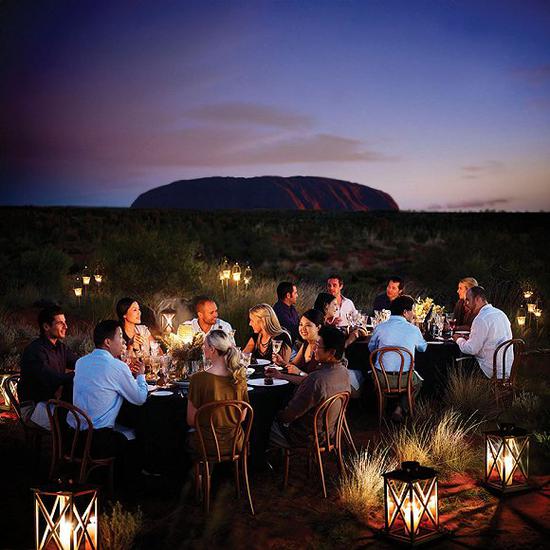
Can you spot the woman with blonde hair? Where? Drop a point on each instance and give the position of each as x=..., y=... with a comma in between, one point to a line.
x=463, y=316
x=267, y=329
x=224, y=380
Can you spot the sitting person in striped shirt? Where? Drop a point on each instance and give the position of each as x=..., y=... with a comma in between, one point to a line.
x=398, y=331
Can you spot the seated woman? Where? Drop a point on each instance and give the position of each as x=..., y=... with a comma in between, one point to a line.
x=304, y=362
x=224, y=380
x=463, y=316
x=137, y=336
x=266, y=328
x=328, y=305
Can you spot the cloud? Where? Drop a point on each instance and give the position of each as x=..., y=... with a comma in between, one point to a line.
x=476, y=204
x=249, y=113
x=474, y=171
x=535, y=75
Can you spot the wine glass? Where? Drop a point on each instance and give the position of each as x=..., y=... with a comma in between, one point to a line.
x=276, y=348
x=246, y=358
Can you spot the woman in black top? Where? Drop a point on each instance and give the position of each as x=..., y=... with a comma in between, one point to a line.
x=266, y=329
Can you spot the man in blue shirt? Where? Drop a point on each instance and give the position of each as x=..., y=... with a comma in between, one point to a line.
x=398, y=331
x=285, y=309
x=101, y=384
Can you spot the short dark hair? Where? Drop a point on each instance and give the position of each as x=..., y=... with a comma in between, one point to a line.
x=284, y=288
x=315, y=316
x=199, y=301
x=397, y=279
x=401, y=304
x=47, y=314
x=322, y=301
x=478, y=292
x=105, y=329
x=336, y=276
x=333, y=339
x=122, y=307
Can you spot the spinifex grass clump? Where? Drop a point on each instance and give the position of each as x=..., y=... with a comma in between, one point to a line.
x=119, y=528
x=441, y=442
x=361, y=484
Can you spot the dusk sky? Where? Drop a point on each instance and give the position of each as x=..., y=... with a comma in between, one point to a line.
x=443, y=104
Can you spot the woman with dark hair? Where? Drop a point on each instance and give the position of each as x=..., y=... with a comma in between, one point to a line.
x=304, y=362
x=137, y=336
x=328, y=305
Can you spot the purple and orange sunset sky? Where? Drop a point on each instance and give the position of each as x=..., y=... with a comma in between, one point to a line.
x=444, y=104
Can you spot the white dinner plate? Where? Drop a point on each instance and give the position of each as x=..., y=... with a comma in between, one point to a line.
x=262, y=362
x=276, y=367
x=461, y=332
x=436, y=342
x=151, y=387
x=260, y=382
x=162, y=393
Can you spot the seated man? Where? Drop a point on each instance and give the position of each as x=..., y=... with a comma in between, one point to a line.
x=335, y=284
x=44, y=367
x=398, y=331
x=294, y=424
x=285, y=308
x=394, y=289
x=206, y=320
x=490, y=328
x=101, y=384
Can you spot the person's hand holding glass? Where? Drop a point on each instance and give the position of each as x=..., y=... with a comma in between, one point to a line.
x=276, y=348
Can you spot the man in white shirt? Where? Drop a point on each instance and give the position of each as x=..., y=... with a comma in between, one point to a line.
x=102, y=383
x=335, y=284
x=207, y=318
x=489, y=329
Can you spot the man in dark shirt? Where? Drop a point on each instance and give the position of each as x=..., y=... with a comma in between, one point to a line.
x=43, y=367
x=285, y=309
x=394, y=289
x=294, y=424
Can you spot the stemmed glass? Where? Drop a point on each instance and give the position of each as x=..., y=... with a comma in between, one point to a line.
x=275, y=348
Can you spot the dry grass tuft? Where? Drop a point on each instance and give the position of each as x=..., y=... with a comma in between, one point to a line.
x=361, y=485
x=119, y=528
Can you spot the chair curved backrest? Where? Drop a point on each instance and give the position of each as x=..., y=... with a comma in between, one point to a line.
x=332, y=431
x=10, y=389
x=517, y=345
x=403, y=382
x=245, y=414
x=84, y=429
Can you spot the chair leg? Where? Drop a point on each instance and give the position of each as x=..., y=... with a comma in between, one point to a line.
x=197, y=481
x=286, y=467
x=237, y=478
x=381, y=403
x=111, y=480
x=206, y=488
x=322, y=473
x=246, y=482
x=347, y=435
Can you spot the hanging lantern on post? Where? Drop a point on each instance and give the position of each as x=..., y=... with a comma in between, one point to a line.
x=98, y=274
x=236, y=273
x=247, y=276
x=77, y=288
x=86, y=278
x=521, y=316
x=411, y=508
x=527, y=293
x=507, y=459
x=65, y=518
x=226, y=270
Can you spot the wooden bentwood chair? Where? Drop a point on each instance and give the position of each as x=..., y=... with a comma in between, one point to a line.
x=33, y=432
x=211, y=455
x=404, y=379
x=505, y=386
x=72, y=448
x=325, y=439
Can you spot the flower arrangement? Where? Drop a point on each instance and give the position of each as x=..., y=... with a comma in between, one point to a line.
x=422, y=307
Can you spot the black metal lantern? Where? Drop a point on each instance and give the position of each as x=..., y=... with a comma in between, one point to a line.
x=65, y=517
x=411, y=507
x=507, y=459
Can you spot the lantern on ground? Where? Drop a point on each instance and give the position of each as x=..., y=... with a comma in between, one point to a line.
x=247, y=276
x=65, y=518
x=236, y=273
x=521, y=316
x=411, y=506
x=507, y=459
x=168, y=315
x=186, y=333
